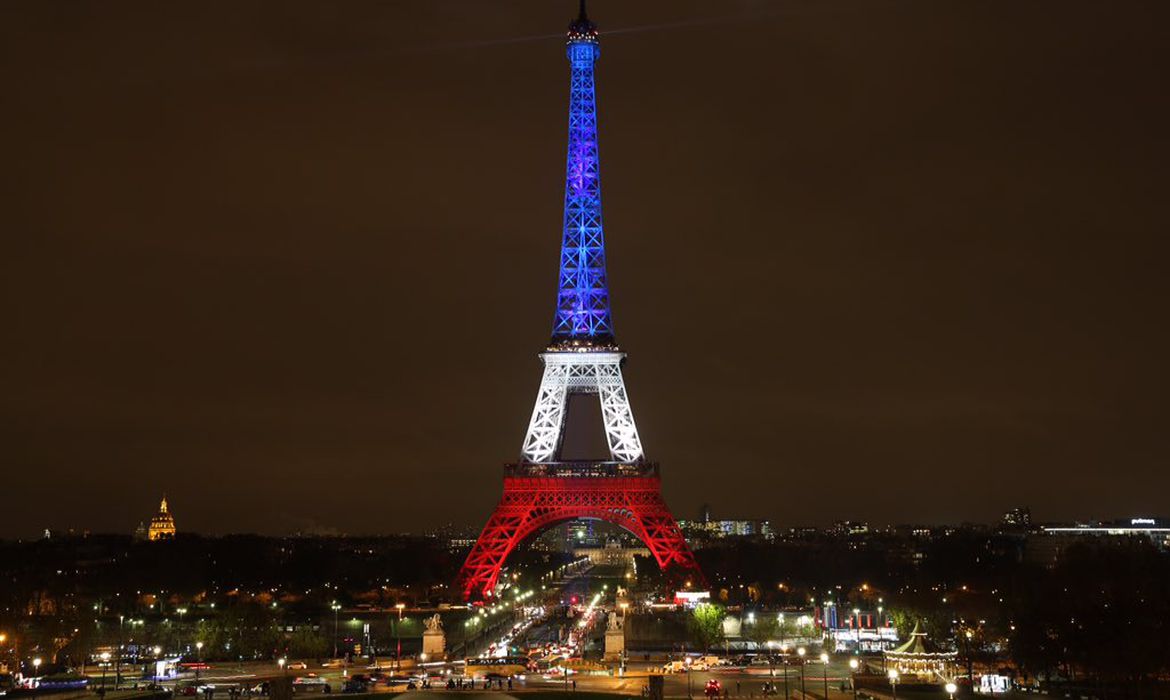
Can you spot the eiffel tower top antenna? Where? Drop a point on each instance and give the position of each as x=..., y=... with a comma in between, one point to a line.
x=583, y=18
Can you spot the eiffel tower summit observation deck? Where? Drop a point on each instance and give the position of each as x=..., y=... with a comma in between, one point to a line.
x=542, y=490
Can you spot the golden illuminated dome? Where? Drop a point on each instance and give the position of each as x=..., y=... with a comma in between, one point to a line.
x=162, y=525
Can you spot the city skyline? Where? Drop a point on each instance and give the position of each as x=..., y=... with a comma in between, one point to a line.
x=140, y=522
x=254, y=263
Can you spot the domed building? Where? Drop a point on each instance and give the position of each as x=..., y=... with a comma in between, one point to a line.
x=162, y=525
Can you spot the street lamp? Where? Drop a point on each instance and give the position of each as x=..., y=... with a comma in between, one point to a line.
x=105, y=657
x=398, y=638
x=853, y=665
x=118, y=658
x=199, y=650
x=182, y=612
x=825, y=670
x=282, y=662
x=952, y=689
x=800, y=651
x=892, y=674
x=36, y=666
x=784, y=658
x=970, y=664
x=335, y=607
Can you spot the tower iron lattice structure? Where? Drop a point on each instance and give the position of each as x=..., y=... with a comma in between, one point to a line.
x=542, y=490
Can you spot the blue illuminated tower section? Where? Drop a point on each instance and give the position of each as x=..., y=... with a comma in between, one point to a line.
x=583, y=316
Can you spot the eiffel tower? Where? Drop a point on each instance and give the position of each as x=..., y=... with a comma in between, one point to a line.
x=541, y=490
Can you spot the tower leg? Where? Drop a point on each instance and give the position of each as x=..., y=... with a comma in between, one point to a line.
x=546, y=427
x=620, y=429
x=665, y=540
x=502, y=533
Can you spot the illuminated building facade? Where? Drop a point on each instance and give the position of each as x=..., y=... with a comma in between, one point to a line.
x=723, y=529
x=1017, y=518
x=1048, y=546
x=162, y=525
x=542, y=490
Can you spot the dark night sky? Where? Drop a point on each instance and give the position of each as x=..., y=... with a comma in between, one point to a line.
x=291, y=262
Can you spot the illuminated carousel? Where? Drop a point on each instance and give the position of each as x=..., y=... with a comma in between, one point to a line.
x=914, y=661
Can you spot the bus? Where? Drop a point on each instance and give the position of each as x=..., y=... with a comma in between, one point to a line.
x=496, y=667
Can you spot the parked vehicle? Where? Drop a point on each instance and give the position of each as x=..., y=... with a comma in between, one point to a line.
x=310, y=684
x=356, y=685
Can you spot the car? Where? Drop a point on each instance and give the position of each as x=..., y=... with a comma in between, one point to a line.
x=356, y=685
x=712, y=689
x=298, y=665
x=310, y=683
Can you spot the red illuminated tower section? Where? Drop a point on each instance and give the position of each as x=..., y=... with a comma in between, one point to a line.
x=542, y=490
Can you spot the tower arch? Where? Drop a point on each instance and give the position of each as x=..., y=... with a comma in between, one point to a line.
x=531, y=504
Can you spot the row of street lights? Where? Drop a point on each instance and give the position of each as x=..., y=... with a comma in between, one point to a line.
x=854, y=666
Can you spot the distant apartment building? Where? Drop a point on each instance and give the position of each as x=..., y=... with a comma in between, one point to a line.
x=1017, y=519
x=843, y=528
x=700, y=532
x=1048, y=545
